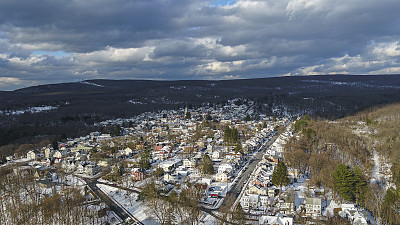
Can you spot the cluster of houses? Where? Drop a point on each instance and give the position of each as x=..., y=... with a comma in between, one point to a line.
x=274, y=204
x=279, y=205
x=72, y=156
x=176, y=144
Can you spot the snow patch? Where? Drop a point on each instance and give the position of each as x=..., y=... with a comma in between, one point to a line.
x=29, y=110
x=93, y=84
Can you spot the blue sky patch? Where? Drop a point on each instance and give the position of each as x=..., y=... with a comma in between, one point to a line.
x=223, y=2
x=52, y=53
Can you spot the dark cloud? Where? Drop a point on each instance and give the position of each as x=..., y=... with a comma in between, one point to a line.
x=188, y=39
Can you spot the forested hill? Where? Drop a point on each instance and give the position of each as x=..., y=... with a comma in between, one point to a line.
x=71, y=109
x=333, y=96
x=356, y=157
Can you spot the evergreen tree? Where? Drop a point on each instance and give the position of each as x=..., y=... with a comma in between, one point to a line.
x=54, y=144
x=360, y=185
x=188, y=115
x=350, y=183
x=344, y=181
x=231, y=135
x=207, y=165
x=280, y=175
x=238, y=148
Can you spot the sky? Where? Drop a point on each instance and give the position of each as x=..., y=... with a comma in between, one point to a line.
x=52, y=41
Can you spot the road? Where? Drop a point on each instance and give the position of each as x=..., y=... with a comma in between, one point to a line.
x=237, y=187
x=113, y=206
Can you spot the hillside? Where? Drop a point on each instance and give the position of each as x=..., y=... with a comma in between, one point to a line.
x=366, y=144
x=71, y=109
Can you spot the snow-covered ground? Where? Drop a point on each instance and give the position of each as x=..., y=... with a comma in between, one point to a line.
x=136, y=102
x=376, y=175
x=128, y=201
x=29, y=110
x=93, y=84
x=207, y=219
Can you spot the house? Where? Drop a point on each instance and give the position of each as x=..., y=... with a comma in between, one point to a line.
x=260, y=190
x=222, y=177
x=48, y=152
x=286, y=205
x=125, y=152
x=43, y=173
x=128, y=151
x=105, y=162
x=91, y=169
x=189, y=163
x=254, y=202
x=313, y=207
x=137, y=174
x=33, y=155
x=69, y=164
x=353, y=214
x=210, y=148
x=275, y=220
x=58, y=154
x=275, y=158
x=88, y=168
x=170, y=165
x=261, y=181
x=272, y=192
x=169, y=178
x=216, y=155
x=225, y=168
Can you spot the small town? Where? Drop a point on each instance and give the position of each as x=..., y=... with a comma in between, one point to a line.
x=199, y=112
x=229, y=163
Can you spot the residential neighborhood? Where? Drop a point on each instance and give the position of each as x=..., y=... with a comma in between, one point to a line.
x=222, y=150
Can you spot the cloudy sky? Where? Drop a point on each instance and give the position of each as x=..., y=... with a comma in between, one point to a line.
x=51, y=41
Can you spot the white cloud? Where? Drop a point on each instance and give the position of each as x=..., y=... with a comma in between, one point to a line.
x=377, y=58
x=111, y=54
x=193, y=40
x=10, y=83
x=386, y=49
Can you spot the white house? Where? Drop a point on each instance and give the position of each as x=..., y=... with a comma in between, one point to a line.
x=189, y=163
x=254, y=201
x=128, y=151
x=313, y=207
x=57, y=154
x=48, y=153
x=221, y=177
x=33, y=155
x=275, y=220
x=286, y=205
x=216, y=155
x=170, y=165
x=225, y=168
